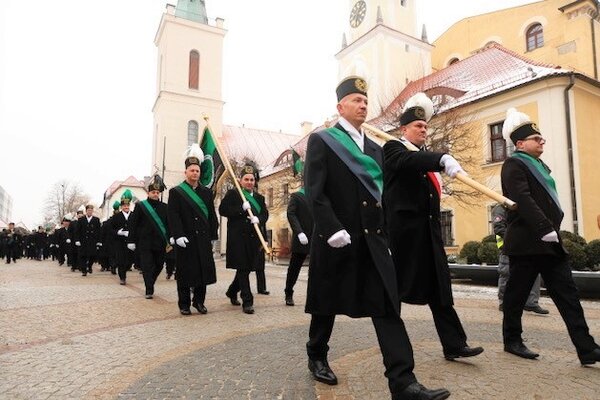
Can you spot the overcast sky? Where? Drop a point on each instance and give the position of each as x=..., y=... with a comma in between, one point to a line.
x=77, y=81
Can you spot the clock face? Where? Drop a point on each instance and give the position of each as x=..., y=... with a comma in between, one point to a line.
x=358, y=13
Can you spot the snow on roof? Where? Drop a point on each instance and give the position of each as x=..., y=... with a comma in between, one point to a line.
x=491, y=71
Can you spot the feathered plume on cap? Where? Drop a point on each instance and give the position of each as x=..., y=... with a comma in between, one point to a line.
x=517, y=126
x=418, y=108
x=156, y=184
x=126, y=197
x=81, y=209
x=116, y=205
x=194, y=155
x=68, y=217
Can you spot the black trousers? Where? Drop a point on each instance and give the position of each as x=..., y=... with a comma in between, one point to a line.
x=261, y=279
x=293, y=271
x=152, y=264
x=241, y=283
x=393, y=342
x=85, y=263
x=561, y=288
x=170, y=261
x=184, y=296
x=11, y=254
x=448, y=326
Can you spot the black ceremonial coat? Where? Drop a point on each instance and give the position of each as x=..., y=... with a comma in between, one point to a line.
x=195, y=264
x=144, y=232
x=356, y=279
x=88, y=234
x=412, y=207
x=535, y=216
x=300, y=218
x=243, y=245
x=123, y=256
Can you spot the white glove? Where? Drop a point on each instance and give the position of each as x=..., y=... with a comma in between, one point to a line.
x=550, y=237
x=339, y=239
x=171, y=241
x=246, y=205
x=51, y=246
x=68, y=240
x=131, y=246
x=451, y=166
x=254, y=219
x=78, y=243
x=302, y=238
x=99, y=244
x=181, y=242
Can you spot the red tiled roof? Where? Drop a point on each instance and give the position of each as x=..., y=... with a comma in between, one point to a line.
x=488, y=72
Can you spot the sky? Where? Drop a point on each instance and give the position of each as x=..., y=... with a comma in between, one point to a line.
x=78, y=81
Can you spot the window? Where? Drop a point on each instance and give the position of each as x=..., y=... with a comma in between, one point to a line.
x=489, y=218
x=192, y=132
x=446, y=222
x=194, y=72
x=497, y=142
x=403, y=3
x=285, y=198
x=535, y=37
x=453, y=61
x=270, y=197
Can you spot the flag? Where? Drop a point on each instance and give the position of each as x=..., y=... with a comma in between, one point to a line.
x=212, y=166
x=297, y=163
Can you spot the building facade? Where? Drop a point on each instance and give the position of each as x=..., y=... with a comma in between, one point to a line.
x=6, y=204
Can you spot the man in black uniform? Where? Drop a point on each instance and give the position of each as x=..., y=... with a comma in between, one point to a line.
x=351, y=271
x=193, y=225
x=72, y=249
x=532, y=242
x=60, y=240
x=120, y=232
x=11, y=243
x=149, y=234
x=87, y=239
x=412, y=193
x=243, y=244
x=301, y=222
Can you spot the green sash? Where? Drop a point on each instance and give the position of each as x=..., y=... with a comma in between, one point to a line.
x=252, y=201
x=302, y=190
x=367, y=162
x=154, y=216
x=541, y=172
x=186, y=188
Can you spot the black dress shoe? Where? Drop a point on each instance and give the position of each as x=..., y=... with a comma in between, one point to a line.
x=322, y=372
x=148, y=296
x=84, y=274
x=248, y=309
x=519, y=349
x=233, y=299
x=536, y=309
x=200, y=307
x=590, y=358
x=265, y=292
x=289, y=300
x=122, y=282
x=185, y=311
x=416, y=391
x=463, y=352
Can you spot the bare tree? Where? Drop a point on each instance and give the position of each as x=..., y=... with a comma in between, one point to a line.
x=64, y=197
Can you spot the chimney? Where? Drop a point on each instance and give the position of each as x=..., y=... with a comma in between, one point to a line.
x=306, y=127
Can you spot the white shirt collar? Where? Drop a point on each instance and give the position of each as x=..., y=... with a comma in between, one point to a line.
x=358, y=137
x=126, y=215
x=89, y=218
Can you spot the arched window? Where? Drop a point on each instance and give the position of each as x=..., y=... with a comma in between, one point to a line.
x=535, y=37
x=192, y=132
x=194, y=73
x=453, y=61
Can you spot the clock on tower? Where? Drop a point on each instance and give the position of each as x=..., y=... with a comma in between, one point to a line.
x=358, y=13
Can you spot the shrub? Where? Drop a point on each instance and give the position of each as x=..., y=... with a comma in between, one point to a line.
x=488, y=253
x=592, y=250
x=577, y=258
x=469, y=252
x=566, y=235
x=489, y=239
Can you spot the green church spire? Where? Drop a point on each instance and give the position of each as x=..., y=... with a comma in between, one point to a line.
x=193, y=10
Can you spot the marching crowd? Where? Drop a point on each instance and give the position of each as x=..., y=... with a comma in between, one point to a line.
x=368, y=216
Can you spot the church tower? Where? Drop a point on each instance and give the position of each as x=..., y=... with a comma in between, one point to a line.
x=384, y=46
x=188, y=84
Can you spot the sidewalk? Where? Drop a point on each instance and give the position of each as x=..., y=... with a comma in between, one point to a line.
x=64, y=336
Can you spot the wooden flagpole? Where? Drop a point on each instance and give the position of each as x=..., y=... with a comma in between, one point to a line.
x=505, y=201
x=229, y=169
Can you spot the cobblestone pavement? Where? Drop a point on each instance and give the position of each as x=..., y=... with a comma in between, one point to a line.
x=64, y=336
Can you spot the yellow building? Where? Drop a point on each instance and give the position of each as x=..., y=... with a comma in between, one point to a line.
x=558, y=32
x=476, y=92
